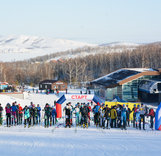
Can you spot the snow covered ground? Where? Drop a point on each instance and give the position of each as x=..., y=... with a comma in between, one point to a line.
x=40, y=141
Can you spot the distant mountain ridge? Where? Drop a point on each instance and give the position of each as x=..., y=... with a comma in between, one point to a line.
x=15, y=48
x=19, y=48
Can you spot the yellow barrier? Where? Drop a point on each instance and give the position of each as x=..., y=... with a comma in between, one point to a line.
x=130, y=105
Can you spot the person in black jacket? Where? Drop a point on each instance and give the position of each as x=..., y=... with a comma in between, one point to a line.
x=107, y=116
x=84, y=114
x=47, y=115
x=68, y=111
x=128, y=111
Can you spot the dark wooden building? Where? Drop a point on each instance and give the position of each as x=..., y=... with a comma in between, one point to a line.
x=52, y=85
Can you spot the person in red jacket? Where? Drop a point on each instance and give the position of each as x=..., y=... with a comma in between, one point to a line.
x=20, y=111
x=152, y=115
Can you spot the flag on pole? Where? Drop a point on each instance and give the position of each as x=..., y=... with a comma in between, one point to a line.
x=158, y=118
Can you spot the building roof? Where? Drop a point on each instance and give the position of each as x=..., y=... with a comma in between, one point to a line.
x=124, y=75
x=48, y=81
x=4, y=83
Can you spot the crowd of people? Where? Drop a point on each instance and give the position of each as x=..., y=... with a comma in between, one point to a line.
x=29, y=115
x=117, y=116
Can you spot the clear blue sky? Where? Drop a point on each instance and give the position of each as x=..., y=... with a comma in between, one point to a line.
x=93, y=21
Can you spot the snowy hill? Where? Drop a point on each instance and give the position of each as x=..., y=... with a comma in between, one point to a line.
x=15, y=48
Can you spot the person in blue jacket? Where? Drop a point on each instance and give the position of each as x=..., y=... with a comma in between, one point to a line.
x=53, y=113
x=123, y=117
x=14, y=117
x=137, y=112
x=96, y=114
x=38, y=114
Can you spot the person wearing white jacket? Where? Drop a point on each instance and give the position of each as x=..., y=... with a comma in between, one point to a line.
x=142, y=116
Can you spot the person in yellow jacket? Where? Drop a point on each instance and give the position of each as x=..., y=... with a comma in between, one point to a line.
x=113, y=116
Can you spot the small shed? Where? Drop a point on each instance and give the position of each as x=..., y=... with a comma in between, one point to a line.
x=53, y=85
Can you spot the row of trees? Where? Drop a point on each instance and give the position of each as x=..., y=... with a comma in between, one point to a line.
x=81, y=69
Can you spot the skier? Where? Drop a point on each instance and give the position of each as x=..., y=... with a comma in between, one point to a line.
x=134, y=115
x=113, y=116
x=32, y=113
x=38, y=114
x=84, y=114
x=123, y=117
x=101, y=116
x=1, y=117
x=80, y=116
x=68, y=110
x=107, y=116
x=8, y=114
x=96, y=114
x=77, y=112
x=118, y=110
x=128, y=112
x=27, y=116
x=152, y=115
x=89, y=113
x=20, y=114
x=137, y=112
x=53, y=112
x=35, y=115
x=47, y=115
x=14, y=110
x=142, y=116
